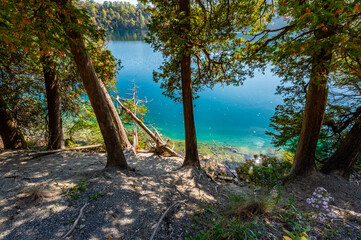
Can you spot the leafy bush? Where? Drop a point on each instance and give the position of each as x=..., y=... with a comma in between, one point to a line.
x=267, y=174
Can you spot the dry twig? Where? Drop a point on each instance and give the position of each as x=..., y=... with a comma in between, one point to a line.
x=76, y=221
x=161, y=218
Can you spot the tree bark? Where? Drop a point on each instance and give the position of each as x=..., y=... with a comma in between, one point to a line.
x=52, y=85
x=9, y=130
x=347, y=153
x=304, y=162
x=115, y=155
x=191, y=150
x=315, y=107
x=118, y=123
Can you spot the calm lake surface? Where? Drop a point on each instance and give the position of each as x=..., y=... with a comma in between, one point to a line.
x=236, y=116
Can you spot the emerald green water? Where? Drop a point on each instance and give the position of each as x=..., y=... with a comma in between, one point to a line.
x=236, y=116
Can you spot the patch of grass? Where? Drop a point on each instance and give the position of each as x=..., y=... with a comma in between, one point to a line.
x=250, y=204
x=238, y=222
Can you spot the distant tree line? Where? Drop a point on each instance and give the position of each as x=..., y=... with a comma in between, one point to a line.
x=117, y=15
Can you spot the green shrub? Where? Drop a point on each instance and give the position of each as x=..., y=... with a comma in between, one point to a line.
x=267, y=174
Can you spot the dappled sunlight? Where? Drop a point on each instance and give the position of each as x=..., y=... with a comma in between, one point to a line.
x=120, y=203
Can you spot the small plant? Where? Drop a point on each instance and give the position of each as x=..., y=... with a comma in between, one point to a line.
x=38, y=193
x=96, y=195
x=320, y=203
x=71, y=220
x=296, y=223
x=73, y=193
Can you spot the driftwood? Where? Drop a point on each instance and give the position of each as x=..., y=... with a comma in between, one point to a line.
x=44, y=153
x=76, y=221
x=160, y=144
x=116, y=119
x=161, y=218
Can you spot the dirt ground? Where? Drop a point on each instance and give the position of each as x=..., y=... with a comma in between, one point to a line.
x=121, y=204
x=35, y=201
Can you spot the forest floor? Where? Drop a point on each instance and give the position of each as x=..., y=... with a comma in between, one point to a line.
x=41, y=197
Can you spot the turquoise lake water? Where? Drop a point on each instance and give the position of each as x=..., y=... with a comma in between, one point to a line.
x=235, y=116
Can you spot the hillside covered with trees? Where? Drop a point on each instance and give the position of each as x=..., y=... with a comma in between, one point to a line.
x=117, y=15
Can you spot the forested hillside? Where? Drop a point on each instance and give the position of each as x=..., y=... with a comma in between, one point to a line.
x=117, y=15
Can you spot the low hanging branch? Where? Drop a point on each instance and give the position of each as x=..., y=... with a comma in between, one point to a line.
x=160, y=144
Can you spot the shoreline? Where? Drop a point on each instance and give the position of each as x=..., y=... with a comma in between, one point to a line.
x=222, y=152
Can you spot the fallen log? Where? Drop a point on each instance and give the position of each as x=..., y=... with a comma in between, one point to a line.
x=44, y=153
x=160, y=144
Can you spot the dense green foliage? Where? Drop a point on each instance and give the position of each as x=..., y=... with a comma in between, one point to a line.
x=210, y=41
x=117, y=15
x=309, y=28
x=24, y=41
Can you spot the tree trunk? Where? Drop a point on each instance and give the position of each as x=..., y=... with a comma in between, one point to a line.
x=9, y=130
x=347, y=153
x=316, y=100
x=115, y=156
x=52, y=85
x=191, y=151
x=118, y=123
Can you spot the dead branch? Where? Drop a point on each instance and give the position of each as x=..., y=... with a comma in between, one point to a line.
x=161, y=218
x=158, y=140
x=211, y=178
x=76, y=221
x=225, y=178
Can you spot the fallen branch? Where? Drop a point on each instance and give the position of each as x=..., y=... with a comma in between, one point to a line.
x=76, y=221
x=161, y=218
x=38, y=154
x=225, y=178
x=159, y=142
x=207, y=174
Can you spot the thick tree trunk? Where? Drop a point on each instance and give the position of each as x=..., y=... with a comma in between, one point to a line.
x=191, y=157
x=347, y=153
x=316, y=100
x=115, y=158
x=52, y=85
x=118, y=123
x=9, y=130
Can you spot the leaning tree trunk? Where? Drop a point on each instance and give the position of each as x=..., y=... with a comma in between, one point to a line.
x=116, y=119
x=9, y=130
x=347, y=153
x=115, y=157
x=191, y=156
x=52, y=85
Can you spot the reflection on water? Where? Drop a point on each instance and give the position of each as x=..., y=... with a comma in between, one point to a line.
x=126, y=35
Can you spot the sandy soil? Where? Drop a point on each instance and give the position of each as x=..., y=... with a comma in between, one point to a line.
x=128, y=205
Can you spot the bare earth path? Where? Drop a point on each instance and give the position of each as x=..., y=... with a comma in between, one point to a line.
x=121, y=204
